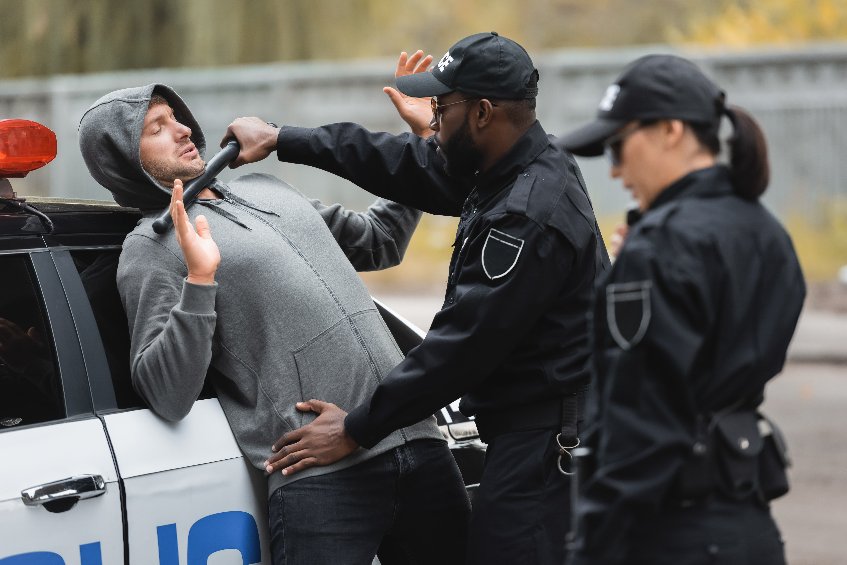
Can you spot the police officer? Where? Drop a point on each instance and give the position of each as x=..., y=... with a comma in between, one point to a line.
x=692, y=320
x=511, y=337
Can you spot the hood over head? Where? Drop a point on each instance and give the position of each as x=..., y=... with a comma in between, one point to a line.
x=110, y=142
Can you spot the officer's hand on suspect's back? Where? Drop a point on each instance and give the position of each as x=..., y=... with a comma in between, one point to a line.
x=199, y=249
x=417, y=112
x=256, y=137
x=321, y=442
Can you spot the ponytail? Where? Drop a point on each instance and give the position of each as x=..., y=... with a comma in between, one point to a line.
x=748, y=163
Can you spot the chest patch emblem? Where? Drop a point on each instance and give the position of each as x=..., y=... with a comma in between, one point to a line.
x=500, y=253
x=628, y=312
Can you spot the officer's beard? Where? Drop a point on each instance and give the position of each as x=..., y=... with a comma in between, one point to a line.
x=461, y=155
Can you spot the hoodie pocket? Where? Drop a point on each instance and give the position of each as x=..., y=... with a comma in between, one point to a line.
x=335, y=367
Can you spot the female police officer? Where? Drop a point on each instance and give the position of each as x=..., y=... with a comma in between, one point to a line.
x=693, y=319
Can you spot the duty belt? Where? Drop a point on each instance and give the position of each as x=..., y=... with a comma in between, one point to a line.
x=561, y=413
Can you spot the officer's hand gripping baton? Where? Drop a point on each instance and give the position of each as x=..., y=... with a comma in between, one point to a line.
x=215, y=165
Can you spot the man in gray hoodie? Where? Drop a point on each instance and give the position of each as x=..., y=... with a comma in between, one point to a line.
x=281, y=315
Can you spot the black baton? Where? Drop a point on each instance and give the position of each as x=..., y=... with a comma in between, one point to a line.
x=215, y=165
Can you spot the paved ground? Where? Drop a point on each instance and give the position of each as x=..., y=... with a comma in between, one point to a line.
x=809, y=402
x=821, y=337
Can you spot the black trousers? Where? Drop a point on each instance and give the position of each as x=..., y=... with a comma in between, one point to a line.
x=715, y=532
x=521, y=512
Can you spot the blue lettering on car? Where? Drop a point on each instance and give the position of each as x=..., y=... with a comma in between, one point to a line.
x=210, y=534
x=89, y=554
x=34, y=558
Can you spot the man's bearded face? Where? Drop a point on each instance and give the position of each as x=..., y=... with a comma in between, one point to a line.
x=460, y=153
x=167, y=152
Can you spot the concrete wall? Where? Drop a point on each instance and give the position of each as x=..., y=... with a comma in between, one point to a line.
x=799, y=95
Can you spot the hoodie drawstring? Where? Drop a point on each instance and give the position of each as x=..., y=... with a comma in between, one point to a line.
x=229, y=196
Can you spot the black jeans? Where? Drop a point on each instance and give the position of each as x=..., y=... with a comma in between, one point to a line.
x=407, y=505
x=521, y=511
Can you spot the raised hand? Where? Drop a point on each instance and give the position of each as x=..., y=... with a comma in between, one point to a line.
x=322, y=442
x=199, y=249
x=416, y=112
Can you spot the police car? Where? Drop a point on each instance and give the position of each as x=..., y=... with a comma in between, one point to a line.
x=88, y=474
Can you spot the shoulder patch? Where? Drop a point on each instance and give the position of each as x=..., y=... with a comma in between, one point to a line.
x=500, y=253
x=628, y=312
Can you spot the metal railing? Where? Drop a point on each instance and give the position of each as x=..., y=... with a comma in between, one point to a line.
x=799, y=95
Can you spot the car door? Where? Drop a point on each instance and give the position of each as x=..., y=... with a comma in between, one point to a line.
x=190, y=497
x=189, y=492
x=60, y=500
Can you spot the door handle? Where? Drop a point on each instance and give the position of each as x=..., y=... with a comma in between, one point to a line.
x=79, y=487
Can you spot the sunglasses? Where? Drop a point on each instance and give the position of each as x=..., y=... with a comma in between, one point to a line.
x=437, y=108
x=614, y=144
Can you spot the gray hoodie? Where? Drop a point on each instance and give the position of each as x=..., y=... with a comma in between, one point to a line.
x=288, y=318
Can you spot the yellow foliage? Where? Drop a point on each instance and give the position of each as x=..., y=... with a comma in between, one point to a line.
x=821, y=251
x=767, y=21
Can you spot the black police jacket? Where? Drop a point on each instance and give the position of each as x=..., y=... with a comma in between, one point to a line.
x=513, y=328
x=695, y=316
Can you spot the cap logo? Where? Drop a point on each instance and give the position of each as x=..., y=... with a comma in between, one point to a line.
x=609, y=98
x=445, y=60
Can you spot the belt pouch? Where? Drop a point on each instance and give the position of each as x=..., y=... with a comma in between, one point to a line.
x=773, y=461
x=738, y=445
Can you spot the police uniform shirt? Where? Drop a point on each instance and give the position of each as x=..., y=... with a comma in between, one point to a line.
x=513, y=328
x=695, y=316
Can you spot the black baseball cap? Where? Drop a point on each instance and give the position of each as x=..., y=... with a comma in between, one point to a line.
x=484, y=64
x=654, y=87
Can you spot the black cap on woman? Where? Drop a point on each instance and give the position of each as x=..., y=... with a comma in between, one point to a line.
x=667, y=87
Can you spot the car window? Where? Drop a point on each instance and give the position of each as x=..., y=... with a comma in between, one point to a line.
x=30, y=389
x=98, y=271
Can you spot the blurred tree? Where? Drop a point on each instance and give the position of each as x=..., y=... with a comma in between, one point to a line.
x=750, y=22
x=43, y=37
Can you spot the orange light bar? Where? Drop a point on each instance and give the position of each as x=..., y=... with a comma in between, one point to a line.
x=24, y=147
